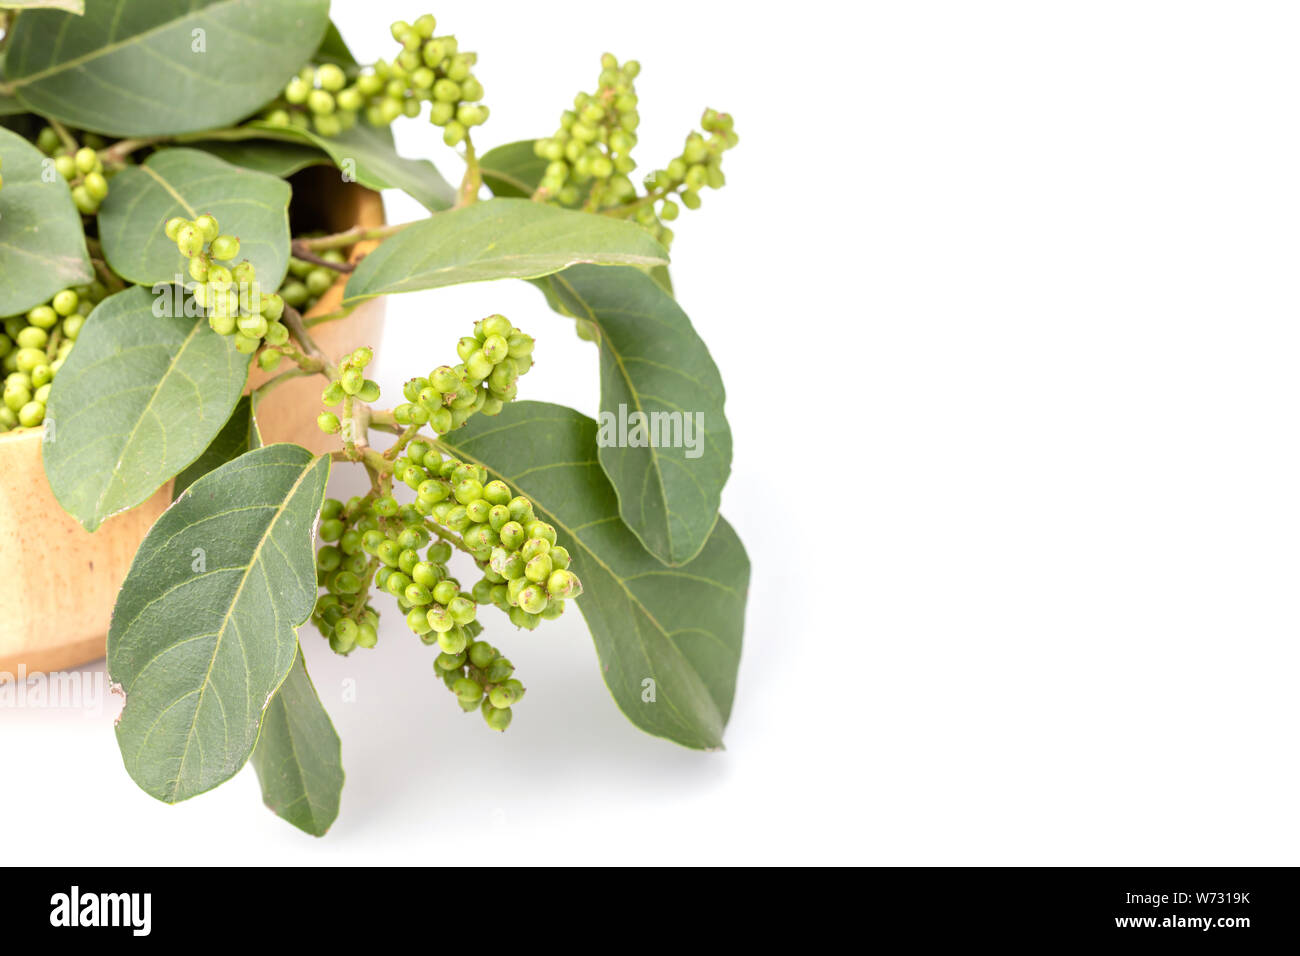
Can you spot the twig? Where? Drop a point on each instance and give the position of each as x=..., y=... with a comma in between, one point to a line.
x=300, y=251
x=350, y=237
x=293, y=320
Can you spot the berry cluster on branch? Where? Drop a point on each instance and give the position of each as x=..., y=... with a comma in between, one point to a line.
x=33, y=348
x=230, y=295
x=589, y=158
x=492, y=359
x=79, y=166
x=428, y=69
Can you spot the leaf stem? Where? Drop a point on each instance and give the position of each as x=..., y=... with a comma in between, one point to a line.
x=283, y=377
x=328, y=317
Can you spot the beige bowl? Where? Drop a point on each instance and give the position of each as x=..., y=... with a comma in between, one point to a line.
x=60, y=582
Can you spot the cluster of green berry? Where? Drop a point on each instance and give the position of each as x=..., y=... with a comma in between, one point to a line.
x=231, y=296
x=375, y=538
x=592, y=149
x=428, y=68
x=351, y=383
x=307, y=281
x=318, y=97
x=33, y=348
x=492, y=359
x=343, y=614
x=589, y=159
x=80, y=167
x=480, y=677
x=524, y=573
x=699, y=165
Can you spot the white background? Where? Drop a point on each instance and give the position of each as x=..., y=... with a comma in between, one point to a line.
x=1004, y=298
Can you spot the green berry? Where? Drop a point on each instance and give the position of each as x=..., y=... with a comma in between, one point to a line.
x=188, y=241
x=452, y=641
x=225, y=248
x=65, y=302
x=467, y=689
x=498, y=718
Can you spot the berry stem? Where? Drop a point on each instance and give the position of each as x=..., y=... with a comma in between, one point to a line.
x=473, y=178
x=68, y=140
x=107, y=275
x=622, y=212
x=450, y=537
x=402, y=439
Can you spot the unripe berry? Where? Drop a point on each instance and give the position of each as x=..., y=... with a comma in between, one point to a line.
x=466, y=689
x=453, y=641
x=188, y=241
x=225, y=248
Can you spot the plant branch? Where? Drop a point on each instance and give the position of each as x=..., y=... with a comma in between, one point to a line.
x=622, y=212
x=349, y=237
x=318, y=361
x=303, y=252
x=116, y=154
x=449, y=536
x=473, y=178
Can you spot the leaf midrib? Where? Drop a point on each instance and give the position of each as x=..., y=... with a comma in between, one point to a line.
x=636, y=398
x=111, y=47
x=225, y=619
x=121, y=455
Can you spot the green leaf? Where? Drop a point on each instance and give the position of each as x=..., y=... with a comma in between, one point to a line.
x=512, y=170
x=138, y=399
x=264, y=155
x=367, y=155
x=498, y=239
x=70, y=6
x=652, y=362
x=203, y=630
x=680, y=628
x=139, y=68
x=237, y=436
x=334, y=49
x=298, y=758
x=42, y=246
x=190, y=182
